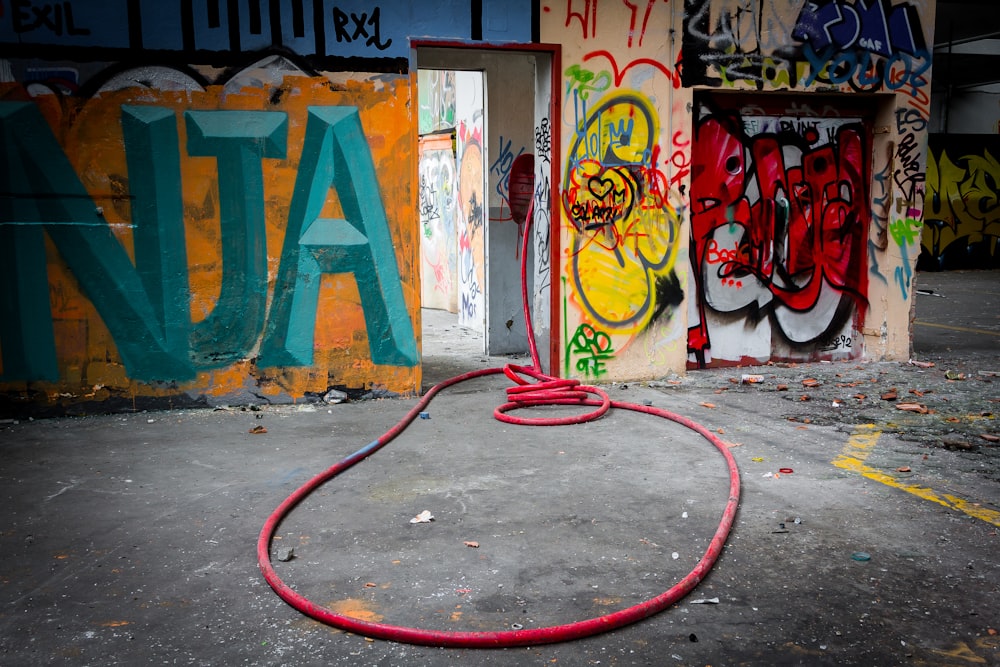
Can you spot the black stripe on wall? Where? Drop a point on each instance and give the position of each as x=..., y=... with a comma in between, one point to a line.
x=187, y=24
x=319, y=28
x=477, y=19
x=275, y=12
x=255, y=23
x=536, y=31
x=135, y=24
x=214, y=16
x=233, y=11
x=298, y=19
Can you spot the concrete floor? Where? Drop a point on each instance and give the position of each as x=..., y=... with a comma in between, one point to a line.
x=957, y=314
x=130, y=539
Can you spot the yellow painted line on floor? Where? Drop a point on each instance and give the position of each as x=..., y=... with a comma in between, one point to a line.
x=954, y=328
x=860, y=445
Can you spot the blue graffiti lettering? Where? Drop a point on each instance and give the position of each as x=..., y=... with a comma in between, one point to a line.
x=873, y=25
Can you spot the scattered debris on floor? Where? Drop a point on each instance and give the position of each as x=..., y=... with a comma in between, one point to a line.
x=913, y=407
x=423, y=517
x=334, y=396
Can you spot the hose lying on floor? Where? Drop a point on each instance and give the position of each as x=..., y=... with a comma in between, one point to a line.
x=538, y=389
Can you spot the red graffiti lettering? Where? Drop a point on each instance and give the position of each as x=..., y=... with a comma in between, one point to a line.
x=785, y=210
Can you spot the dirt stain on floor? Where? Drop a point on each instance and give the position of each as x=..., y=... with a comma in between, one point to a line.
x=361, y=610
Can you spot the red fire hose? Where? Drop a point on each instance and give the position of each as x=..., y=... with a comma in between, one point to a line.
x=538, y=389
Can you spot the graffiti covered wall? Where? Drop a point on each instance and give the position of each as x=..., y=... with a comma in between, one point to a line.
x=781, y=244
x=222, y=202
x=962, y=205
x=471, y=204
x=439, y=238
x=190, y=233
x=208, y=200
x=208, y=241
x=853, y=45
x=439, y=190
x=625, y=155
x=651, y=215
x=858, y=50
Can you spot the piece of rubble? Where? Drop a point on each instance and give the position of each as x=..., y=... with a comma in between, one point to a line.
x=334, y=396
x=660, y=384
x=955, y=443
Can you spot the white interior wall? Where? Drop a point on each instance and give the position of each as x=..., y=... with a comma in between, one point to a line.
x=511, y=114
x=541, y=287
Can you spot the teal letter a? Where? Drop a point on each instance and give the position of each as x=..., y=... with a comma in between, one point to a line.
x=335, y=153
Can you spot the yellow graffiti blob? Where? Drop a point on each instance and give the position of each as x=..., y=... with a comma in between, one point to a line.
x=961, y=201
x=624, y=233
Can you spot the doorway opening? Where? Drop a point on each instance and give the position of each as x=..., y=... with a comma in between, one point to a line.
x=484, y=144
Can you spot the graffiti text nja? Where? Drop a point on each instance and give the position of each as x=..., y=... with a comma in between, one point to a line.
x=145, y=305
